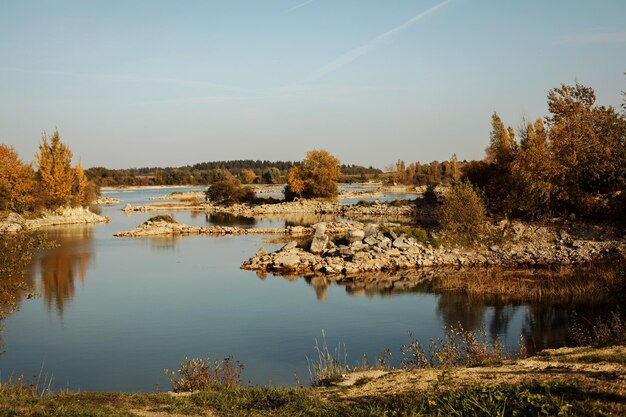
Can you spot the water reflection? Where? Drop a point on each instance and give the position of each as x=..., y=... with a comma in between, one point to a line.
x=227, y=219
x=61, y=266
x=542, y=321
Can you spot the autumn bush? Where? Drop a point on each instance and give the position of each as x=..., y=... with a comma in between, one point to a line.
x=316, y=177
x=462, y=214
x=230, y=191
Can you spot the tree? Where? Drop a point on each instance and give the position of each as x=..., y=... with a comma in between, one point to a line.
x=533, y=172
x=296, y=184
x=56, y=175
x=502, y=145
x=17, y=183
x=455, y=172
x=80, y=189
x=247, y=176
x=319, y=174
x=585, y=143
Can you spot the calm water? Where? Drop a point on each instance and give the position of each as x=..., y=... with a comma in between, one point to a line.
x=112, y=313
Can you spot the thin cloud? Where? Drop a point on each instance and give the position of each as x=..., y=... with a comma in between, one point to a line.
x=296, y=7
x=595, y=38
x=377, y=42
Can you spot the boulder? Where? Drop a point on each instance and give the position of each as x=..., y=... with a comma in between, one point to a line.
x=261, y=252
x=355, y=236
x=320, y=239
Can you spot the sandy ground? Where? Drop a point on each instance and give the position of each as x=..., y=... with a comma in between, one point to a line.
x=606, y=374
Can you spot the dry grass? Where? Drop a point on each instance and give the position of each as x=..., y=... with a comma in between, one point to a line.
x=201, y=374
x=593, y=282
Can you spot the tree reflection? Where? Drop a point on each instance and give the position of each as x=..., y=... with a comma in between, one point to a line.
x=538, y=304
x=60, y=266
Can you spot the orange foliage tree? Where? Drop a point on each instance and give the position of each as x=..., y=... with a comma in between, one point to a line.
x=17, y=183
x=54, y=161
x=317, y=177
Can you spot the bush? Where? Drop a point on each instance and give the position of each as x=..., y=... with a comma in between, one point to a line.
x=462, y=214
x=161, y=218
x=201, y=374
x=230, y=191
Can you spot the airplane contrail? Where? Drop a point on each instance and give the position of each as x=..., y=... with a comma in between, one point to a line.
x=358, y=52
x=296, y=7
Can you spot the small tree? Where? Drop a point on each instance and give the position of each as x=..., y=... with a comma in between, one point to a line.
x=54, y=161
x=462, y=214
x=17, y=183
x=317, y=177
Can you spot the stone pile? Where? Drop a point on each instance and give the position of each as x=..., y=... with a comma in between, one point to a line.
x=369, y=250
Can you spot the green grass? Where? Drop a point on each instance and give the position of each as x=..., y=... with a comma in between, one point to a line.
x=516, y=400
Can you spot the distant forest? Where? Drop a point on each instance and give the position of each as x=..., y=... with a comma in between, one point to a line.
x=249, y=171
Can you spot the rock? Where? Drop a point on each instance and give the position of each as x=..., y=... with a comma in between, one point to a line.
x=370, y=240
x=355, y=236
x=261, y=252
x=289, y=246
x=400, y=243
x=393, y=234
x=320, y=239
x=289, y=261
x=494, y=248
x=128, y=207
x=370, y=229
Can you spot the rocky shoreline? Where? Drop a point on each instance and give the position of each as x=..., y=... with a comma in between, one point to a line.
x=166, y=228
x=369, y=250
x=15, y=223
x=353, y=211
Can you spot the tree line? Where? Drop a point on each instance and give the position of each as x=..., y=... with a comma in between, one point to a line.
x=247, y=171
x=572, y=161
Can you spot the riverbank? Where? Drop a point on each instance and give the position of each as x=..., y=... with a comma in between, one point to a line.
x=579, y=382
x=14, y=223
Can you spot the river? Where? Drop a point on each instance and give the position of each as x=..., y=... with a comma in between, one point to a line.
x=112, y=313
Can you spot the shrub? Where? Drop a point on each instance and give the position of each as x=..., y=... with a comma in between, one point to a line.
x=230, y=191
x=201, y=374
x=462, y=214
x=161, y=218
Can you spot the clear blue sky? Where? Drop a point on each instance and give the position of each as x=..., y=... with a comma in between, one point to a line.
x=144, y=83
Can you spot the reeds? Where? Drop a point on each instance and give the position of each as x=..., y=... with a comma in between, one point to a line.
x=329, y=366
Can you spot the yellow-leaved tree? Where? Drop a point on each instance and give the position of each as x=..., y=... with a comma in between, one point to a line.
x=17, y=182
x=56, y=175
x=317, y=177
x=81, y=186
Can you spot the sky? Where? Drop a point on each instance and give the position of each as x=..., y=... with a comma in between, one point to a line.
x=170, y=83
